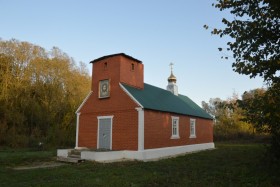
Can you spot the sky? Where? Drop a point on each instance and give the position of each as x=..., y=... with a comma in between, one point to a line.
x=157, y=32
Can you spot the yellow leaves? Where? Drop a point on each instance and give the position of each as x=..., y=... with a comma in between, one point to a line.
x=40, y=90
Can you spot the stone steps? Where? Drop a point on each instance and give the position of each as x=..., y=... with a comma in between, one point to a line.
x=73, y=157
x=69, y=159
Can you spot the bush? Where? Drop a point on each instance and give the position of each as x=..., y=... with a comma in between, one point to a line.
x=223, y=133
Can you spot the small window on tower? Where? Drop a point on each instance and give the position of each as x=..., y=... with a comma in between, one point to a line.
x=132, y=67
x=105, y=65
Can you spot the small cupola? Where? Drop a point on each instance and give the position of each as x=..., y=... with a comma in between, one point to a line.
x=172, y=78
x=172, y=87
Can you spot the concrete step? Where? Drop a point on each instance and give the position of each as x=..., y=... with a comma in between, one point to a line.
x=70, y=159
x=74, y=156
x=75, y=152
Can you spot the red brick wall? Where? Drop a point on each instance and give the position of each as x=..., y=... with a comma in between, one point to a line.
x=158, y=128
x=87, y=131
x=124, y=128
x=119, y=104
x=132, y=77
x=118, y=70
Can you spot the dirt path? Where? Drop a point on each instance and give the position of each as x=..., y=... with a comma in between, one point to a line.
x=40, y=165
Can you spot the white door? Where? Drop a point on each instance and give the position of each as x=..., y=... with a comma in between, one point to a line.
x=105, y=133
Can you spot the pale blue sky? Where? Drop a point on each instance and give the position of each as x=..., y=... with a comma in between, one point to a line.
x=156, y=32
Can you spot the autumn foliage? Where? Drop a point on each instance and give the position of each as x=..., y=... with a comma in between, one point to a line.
x=40, y=91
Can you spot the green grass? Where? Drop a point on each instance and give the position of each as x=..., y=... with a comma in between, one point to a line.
x=228, y=165
x=10, y=157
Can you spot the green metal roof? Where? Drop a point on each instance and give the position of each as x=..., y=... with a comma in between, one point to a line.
x=155, y=98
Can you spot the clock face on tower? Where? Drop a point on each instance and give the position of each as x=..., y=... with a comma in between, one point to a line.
x=104, y=88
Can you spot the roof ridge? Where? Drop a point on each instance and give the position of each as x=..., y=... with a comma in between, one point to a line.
x=167, y=91
x=158, y=87
x=116, y=54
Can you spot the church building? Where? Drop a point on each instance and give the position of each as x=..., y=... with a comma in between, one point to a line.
x=122, y=115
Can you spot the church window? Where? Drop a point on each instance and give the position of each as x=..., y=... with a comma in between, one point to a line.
x=175, y=127
x=192, y=128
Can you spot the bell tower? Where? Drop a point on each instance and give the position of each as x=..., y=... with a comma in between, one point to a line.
x=172, y=87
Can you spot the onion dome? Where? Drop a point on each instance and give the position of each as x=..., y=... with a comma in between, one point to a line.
x=172, y=78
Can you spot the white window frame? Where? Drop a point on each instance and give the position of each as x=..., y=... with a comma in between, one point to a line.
x=175, y=123
x=98, y=119
x=193, y=126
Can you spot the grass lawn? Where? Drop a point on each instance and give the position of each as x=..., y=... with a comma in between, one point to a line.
x=228, y=165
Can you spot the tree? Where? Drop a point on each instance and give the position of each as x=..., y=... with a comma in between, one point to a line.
x=229, y=123
x=255, y=33
x=40, y=92
x=261, y=107
x=252, y=105
x=213, y=107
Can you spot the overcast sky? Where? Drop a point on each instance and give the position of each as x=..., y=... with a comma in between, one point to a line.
x=156, y=32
